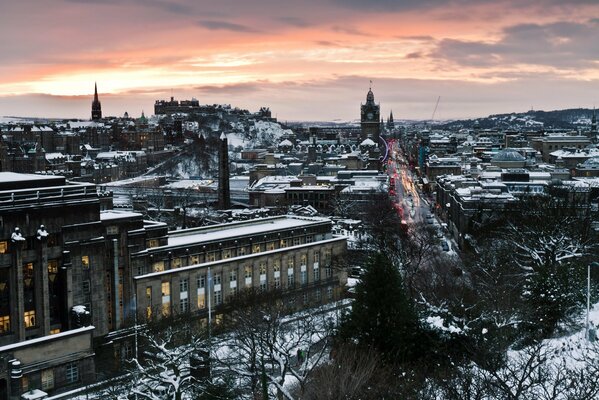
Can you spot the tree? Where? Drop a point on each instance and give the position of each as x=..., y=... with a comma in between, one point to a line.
x=382, y=315
x=264, y=344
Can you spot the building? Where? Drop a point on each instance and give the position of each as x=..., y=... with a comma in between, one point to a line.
x=291, y=254
x=96, y=106
x=51, y=249
x=370, y=118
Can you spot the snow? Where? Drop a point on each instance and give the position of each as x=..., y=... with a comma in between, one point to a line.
x=34, y=394
x=436, y=322
x=42, y=339
x=80, y=310
x=117, y=214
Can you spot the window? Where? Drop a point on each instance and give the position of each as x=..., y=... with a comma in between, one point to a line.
x=4, y=324
x=277, y=282
x=184, y=305
x=218, y=297
x=316, y=272
x=304, y=277
x=248, y=271
x=290, y=279
x=256, y=248
x=149, y=302
x=283, y=242
x=47, y=379
x=217, y=279
x=195, y=259
x=166, y=298
x=29, y=317
x=158, y=266
x=85, y=286
x=183, y=285
x=242, y=251
x=85, y=262
x=233, y=276
x=329, y=272
x=309, y=238
x=226, y=254
x=271, y=246
x=276, y=266
x=290, y=263
x=3, y=247
x=329, y=292
x=201, y=299
x=72, y=373
x=52, y=266
x=153, y=243
x=211, y=256
x=166, y=288
x=176, y=262
x=304, y=259
x=201, y=281
x=296, y=241
x=262, y=267
x=316, y=257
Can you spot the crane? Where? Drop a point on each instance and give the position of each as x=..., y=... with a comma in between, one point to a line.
x=435, y=110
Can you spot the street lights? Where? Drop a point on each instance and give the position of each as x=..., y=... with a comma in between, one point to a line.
x=593, y=264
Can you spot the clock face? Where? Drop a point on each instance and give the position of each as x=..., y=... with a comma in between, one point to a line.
x=369, y=115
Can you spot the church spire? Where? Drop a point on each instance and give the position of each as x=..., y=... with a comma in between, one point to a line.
x=96, y=105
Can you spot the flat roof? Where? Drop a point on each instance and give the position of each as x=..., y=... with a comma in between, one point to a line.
x=238, y=229
x=16, y=181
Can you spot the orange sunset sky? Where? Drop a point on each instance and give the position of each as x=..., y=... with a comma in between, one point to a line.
x=305, y=59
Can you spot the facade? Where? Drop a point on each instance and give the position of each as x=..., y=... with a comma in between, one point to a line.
x=291, y=254
x=51, y=249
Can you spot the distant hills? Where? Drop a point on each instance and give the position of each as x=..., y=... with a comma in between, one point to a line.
x=573, y=118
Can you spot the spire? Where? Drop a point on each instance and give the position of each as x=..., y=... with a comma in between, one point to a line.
x=96, y=105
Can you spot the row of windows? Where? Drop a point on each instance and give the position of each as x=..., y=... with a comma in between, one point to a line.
x=160, y=266
x=47, y=378
x=217, y=289
x=177, y=262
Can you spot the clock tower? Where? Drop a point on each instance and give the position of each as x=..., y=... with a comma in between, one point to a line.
x=370, y=118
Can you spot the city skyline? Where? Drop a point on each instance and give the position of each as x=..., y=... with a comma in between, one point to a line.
x=306, y=61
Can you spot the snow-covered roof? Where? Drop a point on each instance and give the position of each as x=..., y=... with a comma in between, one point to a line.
x=239, y=229
x=367, y=142
x=117, y=214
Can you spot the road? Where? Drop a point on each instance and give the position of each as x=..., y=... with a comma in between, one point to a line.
x=409, y=201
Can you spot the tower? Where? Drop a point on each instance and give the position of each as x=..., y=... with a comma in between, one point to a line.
x=96, y=105
x=390, y=122
x=224, y=195
x=370, y=116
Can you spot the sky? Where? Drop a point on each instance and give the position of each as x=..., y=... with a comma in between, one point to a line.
x=305, y=59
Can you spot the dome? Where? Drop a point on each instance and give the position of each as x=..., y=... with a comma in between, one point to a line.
x=592, y=162
x=367, y=142
x=286, y=143
x=508, y=155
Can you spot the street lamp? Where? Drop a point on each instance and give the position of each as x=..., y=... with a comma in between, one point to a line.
x=593, y=264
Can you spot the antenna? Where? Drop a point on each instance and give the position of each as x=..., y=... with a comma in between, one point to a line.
x=435, y=110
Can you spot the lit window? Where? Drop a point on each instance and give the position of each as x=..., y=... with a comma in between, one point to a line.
x=283, y=242
x=211, y=257
x=153, y=243
x=3, y=247
x=303, y=259
x=166, y=288
x=262, y=267
x=271, y=246
x=158, y=266
x=47, y=379
x=256, y=248
x=201, y=300
x=226, y=254
x=176, y=262
x=248, y=271
x=4, y=324
x=85, y=262
x=195, y=259
x=29, y=317
x=52, y=267
x=72, y=373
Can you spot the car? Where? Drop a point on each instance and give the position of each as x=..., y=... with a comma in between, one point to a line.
x=444, y=246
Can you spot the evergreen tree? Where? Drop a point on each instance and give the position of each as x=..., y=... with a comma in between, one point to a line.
x=382, y=315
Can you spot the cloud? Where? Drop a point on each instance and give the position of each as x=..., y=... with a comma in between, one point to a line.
x=566, y=45
x=294, y=21
x=215, y=25
x=350, y=31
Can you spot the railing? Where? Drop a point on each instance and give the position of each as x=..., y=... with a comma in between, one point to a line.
x=42, y=195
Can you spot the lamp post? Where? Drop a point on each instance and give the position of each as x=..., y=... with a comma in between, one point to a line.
x=593, y=264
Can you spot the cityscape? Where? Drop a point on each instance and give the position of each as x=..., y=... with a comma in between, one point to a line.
x=286, y=207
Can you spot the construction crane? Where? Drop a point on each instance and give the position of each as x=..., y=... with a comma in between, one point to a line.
x=435, y=110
